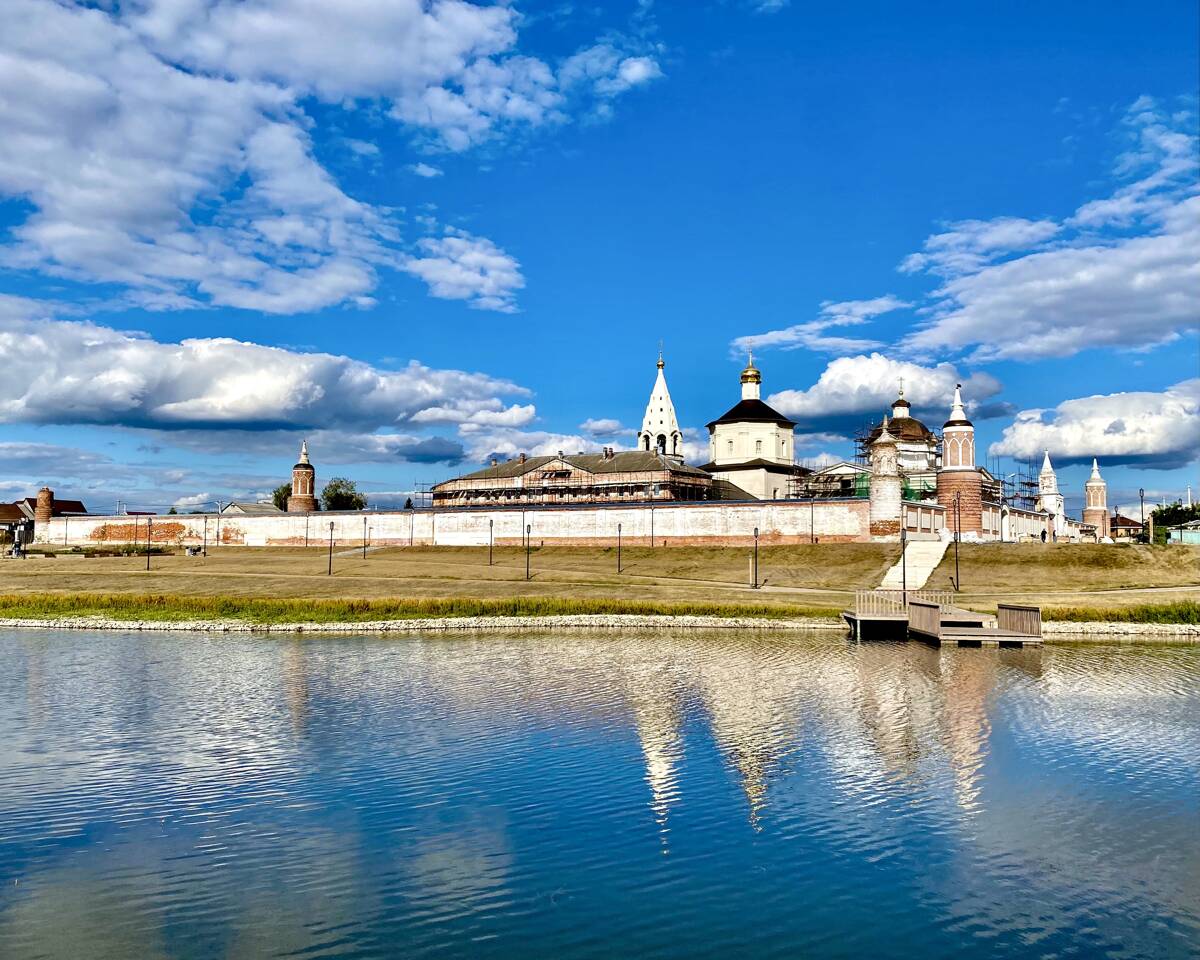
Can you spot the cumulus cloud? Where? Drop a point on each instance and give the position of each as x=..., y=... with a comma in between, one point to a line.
x=459, y=266
x=812, y=335
x=607, y=71
x=603, y=428
x=425, y=170
x=164, y=145
x=81, y=373
x=853, y=390
x=1159, y=430
x=1122, y=272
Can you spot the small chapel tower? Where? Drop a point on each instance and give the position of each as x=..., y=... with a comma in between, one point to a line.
x=1095, y=503
x=959, y=482
x=660, y=429
x=304, y=484
x=886, y=489
x=1050, y=501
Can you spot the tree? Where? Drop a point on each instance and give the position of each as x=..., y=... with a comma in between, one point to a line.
x=408, y=504
x=279, y=496
x=342, y=494
x=172, y=511
x=1172, y=515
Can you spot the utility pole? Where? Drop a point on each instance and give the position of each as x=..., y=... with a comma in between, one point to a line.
x=904, y=563
x=812, y=520
x=306, y=516
x=1142, y=498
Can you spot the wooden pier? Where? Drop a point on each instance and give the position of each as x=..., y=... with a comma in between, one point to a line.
x=930, y=616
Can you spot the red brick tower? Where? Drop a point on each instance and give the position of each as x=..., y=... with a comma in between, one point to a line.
x=304, y=484
x=959, y=477
x=42, y=512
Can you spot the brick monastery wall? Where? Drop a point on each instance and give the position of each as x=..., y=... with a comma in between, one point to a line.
x=781, y=521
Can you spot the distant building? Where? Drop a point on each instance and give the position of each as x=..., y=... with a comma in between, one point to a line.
x=607, y=477
x=248, y=509
x=1124, y=529
x=1095, y=502
x=752, y=445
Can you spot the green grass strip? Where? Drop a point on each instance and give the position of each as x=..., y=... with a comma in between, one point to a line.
x=49, y=606
x=1181, y=611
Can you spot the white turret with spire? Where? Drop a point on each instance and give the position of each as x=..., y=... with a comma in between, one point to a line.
x=1050, y=501
x=660, y=429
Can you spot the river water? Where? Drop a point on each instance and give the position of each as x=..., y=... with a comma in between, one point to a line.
x=591, y=795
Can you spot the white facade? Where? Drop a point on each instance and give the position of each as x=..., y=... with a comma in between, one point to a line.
x=753, y=446
x=1050, y=501
x=660, y=427
x=886, y=490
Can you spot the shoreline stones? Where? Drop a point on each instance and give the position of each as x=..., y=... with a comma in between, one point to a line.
x=1060, y=630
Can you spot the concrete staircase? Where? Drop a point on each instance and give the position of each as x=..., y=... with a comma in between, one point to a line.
x=921, y=558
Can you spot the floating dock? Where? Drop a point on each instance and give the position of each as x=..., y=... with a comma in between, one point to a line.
x=930, y=616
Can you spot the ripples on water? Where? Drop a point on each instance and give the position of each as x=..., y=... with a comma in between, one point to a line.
x=592, y=796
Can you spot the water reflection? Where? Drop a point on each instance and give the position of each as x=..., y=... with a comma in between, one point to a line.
x=512, y=796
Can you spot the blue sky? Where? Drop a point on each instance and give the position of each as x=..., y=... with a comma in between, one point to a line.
x=418, y=234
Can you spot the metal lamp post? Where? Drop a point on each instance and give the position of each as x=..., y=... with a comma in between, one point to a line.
x=812, y=520
x=204, y=550
x=306, y=516
x=491, y=538
x=331, y=548
x=528, y=545
x=957, y=537
x=364, y=538
x=149, y=523
x=904, y=563
x=618, y=548
x=1142, y=498
x=756, y=558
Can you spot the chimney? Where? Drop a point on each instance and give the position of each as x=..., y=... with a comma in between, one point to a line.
x=521, y=458
x=560, y=453
x=495, y=462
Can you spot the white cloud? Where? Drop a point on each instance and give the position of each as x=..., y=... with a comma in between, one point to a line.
x=970, y=244
x=1011, y=294
x=812, y=335
x=459, y=266
x=483, y=443
x=607, y=71
x=1139, y=427
x=604, y=428
x=163, y=144
x=854, y=390
x=425, y=170
x=68, y=372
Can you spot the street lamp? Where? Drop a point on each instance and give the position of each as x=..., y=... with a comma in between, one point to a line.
x=1142, y=498
x=331, y=548
x=904, y=563
x=812, y=520
x=364, y=537
x=306, y=516
x=957, y=537
x=528, y=544
x=756, y=558
x=618, y=548
x=205, y=548
x=149, y=522
x=491, y=538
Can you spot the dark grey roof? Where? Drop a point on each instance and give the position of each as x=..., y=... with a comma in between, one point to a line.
x=627, y=461
x=756, y=464
x=725, y=490
x=752, y=411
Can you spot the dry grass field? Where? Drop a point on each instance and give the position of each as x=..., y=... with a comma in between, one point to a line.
x=823, y=576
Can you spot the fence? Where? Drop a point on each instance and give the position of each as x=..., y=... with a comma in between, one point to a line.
x=1026, y=621
x=893, y=603
x=925, y=618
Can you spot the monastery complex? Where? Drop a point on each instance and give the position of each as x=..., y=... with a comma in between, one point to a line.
x=908, y=481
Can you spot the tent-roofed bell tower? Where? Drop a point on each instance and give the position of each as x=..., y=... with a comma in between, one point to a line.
x=660, y=429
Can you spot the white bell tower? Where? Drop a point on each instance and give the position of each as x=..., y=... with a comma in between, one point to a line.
x=660, y=431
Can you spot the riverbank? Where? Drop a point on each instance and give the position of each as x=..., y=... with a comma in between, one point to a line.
x=1052, y=631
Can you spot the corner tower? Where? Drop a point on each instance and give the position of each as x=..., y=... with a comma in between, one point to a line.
x=1050, y=501
x=886, y=490
x=959, y=483
x=1095, y=502
x=660, y=429
x=304, y=484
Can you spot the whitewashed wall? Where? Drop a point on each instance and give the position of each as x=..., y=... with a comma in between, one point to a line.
x=778, y=521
